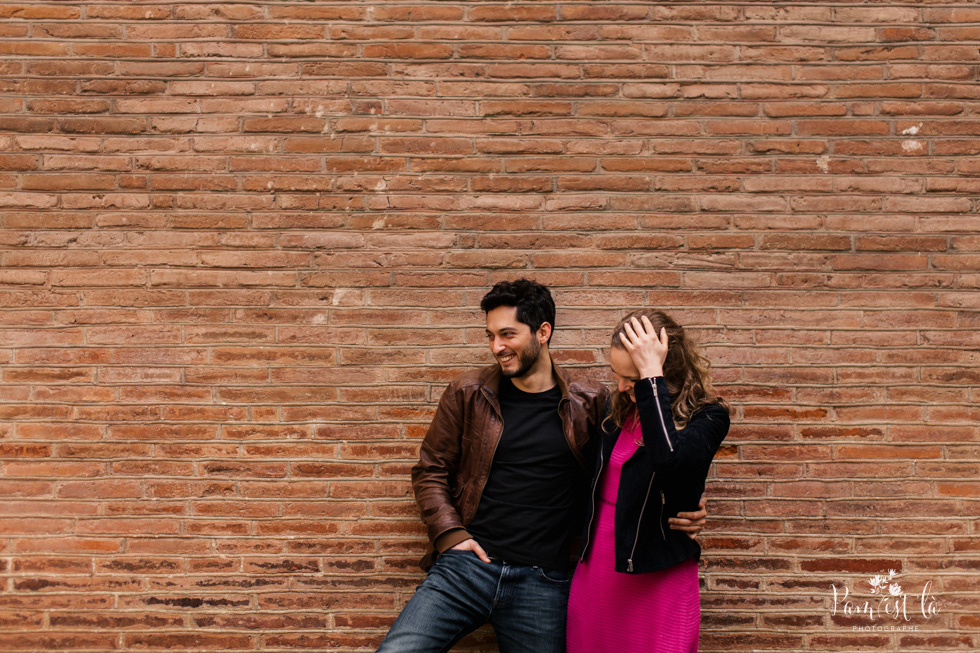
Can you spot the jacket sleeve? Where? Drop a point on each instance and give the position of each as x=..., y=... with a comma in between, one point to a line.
x=433, y=474
x=671, y=449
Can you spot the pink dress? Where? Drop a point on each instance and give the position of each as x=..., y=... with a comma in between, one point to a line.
x=656, y=612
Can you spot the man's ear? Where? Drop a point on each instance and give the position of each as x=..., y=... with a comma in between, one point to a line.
x=544, y=332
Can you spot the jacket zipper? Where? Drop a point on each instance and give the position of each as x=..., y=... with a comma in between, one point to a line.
x=660, y=412
x=663, y=425
x=595, y=483
x=663, y=502
x=629, y=562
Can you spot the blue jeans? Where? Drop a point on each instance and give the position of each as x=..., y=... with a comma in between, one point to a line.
x=525, y=605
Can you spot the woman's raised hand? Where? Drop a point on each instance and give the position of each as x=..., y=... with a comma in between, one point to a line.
x=646, y=347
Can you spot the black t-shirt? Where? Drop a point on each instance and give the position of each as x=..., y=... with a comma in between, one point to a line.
x=530, y=503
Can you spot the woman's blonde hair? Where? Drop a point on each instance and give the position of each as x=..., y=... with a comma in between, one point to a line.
x=686, y=372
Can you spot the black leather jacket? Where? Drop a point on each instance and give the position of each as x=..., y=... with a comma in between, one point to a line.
x=665, y=476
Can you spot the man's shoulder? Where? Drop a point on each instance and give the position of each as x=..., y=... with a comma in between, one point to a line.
x=579, y=382
x=474, y=378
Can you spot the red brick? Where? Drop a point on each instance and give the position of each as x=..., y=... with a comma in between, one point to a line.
x=177, y=640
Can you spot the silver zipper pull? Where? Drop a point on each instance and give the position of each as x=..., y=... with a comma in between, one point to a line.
x=629, y=565
x=663, y=502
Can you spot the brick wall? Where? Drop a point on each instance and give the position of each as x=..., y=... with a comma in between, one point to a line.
x=242, y=245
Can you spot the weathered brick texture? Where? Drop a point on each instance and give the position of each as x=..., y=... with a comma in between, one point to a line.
x=242, y=245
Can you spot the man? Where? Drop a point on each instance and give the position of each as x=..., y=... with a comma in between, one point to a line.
x=502, y=474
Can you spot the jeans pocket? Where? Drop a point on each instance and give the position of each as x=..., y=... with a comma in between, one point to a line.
x=553, y=576
x=451, y=553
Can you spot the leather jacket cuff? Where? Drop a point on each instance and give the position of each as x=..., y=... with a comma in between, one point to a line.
x=449, y=539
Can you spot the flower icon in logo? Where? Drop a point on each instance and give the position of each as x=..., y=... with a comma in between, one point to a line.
x=879, y=583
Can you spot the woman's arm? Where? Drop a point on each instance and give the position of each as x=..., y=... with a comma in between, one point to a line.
x=669, y=448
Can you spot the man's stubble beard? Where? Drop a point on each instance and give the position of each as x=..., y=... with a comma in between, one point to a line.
x=526, y=359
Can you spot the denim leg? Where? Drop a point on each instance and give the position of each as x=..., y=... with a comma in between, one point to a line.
x=453, y=600
x=531, y=611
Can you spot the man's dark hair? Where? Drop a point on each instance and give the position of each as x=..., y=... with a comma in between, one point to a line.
x=533, y=301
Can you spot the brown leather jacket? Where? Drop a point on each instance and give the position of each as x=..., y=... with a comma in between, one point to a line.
x=456, y=453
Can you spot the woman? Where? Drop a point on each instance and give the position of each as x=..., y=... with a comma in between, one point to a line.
x=636, y=584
